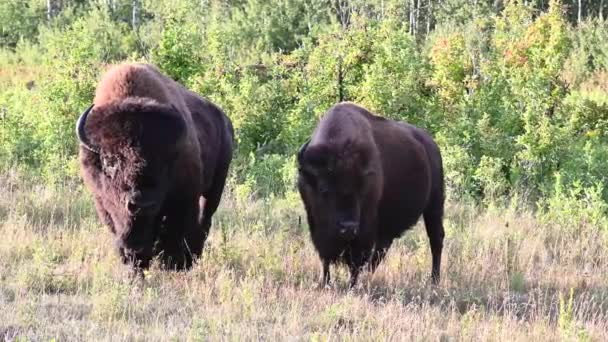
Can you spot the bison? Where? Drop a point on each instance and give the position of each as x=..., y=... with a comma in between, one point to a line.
x=364, y=180
x=155, y=157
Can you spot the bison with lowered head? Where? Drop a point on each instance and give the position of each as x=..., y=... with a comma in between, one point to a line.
x=364, y=181
x=155, y=156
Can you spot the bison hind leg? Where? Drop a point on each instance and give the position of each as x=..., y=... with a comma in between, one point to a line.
x=207, y=206
x=433, y=221
x=196, y=237
x=176, y=258
x=354, y=275
x=173, y=252
x=325, y=274
x=380, y=251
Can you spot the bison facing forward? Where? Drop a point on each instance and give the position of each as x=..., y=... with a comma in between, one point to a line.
x=155, y=156
x=365, y=180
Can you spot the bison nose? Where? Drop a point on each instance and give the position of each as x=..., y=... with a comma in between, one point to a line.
x=131, y=206
x=135, y=204
x=348, y=227
x=135, y=240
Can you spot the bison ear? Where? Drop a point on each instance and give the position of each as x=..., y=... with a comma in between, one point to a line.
x=301, y=152
x=304, y=170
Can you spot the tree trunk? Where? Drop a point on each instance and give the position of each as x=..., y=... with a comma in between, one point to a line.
x=602, y=10
x=342, y=9
x=49, y=9
x=580, y=11
x=135, y=15
x=412, y=17
x=340, y=81
x=429, y=15
x=417, y=15
x=497, y=5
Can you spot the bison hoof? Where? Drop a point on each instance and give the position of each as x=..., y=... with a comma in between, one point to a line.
x=324, y=286
x=136, y=275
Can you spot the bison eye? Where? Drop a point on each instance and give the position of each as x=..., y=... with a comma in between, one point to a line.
x=148, y=182
x=323, y=190
x=110, y=166
x=308, y=176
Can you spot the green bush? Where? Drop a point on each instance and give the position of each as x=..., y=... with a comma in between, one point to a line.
x=393, y=83
x=17, y=142
x=574, y=206
x=20, y=19
x=178, y=52
x=515, y=95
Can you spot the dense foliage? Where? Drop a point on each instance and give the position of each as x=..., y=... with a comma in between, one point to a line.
x=515, y=92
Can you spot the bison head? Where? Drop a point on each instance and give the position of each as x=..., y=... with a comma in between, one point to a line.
x=128, y=156
x=339, y=180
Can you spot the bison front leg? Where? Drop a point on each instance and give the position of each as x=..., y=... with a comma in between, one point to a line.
x=354, y=275
x=357, y=258
x=325, y=276
x=172, y=246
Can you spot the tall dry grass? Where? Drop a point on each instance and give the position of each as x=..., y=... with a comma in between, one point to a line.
x=506, y=276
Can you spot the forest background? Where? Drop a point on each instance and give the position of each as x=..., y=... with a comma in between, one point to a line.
x=514, y=92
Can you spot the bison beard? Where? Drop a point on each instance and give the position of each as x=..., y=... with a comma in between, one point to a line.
x=155, y=157
x=365, y=180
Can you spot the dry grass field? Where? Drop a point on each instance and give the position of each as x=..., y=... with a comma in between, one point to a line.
x=507, y=275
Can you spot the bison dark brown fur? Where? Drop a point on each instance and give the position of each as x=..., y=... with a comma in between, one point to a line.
x=364, y=180
x=155, y=157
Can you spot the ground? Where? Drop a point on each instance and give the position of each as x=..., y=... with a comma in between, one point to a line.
x=507, y=275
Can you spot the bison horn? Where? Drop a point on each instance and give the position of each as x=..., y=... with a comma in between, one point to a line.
x=81, y=133
x=301, y=151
